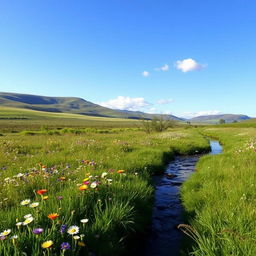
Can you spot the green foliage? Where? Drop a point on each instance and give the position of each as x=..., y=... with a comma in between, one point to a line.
x=220, y=196
x=59, y=162
x=222, y=121
x=157, y=124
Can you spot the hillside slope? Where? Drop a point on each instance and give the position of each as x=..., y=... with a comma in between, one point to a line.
x=67, y=105
x=229, y=118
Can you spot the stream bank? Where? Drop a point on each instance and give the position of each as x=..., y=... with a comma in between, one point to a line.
x=164, y=239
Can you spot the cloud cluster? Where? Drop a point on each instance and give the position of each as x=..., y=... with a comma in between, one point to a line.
x=201, y=113
x=187, y=65
x=135, y=104
x=145, y=73
x=126, y=103
x=163, y=68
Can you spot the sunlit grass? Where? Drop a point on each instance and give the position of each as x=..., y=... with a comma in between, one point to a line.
x=104, y=178
x=220, y=196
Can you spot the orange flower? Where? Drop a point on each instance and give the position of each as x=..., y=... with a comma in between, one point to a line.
x=41, y=191
x=53, y=216
x=62, y=178
x=120, y=171
x=83, y=187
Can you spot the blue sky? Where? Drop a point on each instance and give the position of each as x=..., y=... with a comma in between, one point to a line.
x=168, y=56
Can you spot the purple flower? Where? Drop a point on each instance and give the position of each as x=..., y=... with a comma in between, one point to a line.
x=2, y=237
x=59, y=197
x=65, y=246
x=63, y=229
x=38, y=231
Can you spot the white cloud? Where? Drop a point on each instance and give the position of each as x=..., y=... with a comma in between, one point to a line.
x=200, y=113
x=163, y=68
x=145, y=73
x=152, y=110
x=126, y=103
x=187, y=65
x=167, y=112
x=164, y=101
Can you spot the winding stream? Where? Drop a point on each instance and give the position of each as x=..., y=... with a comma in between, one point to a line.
x=164, y=238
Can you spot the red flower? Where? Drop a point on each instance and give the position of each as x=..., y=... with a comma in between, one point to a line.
x=41, y=191
x=53, y=216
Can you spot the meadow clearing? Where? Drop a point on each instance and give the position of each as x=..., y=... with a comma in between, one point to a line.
x=88, y=191
x=74, y=193
x=220, y=197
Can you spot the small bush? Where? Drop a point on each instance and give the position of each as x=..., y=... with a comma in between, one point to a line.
x=157, y=124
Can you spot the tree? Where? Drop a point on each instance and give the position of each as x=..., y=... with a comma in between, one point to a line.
x=157, y=124
x=222, y=121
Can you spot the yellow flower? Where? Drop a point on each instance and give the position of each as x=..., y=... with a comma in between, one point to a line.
x=83, y=187
x=47, y=244
x=45, y=197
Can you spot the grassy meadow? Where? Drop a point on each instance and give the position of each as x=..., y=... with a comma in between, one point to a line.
x=89, y=193
x=220, y=196
x=17, y=119
x=81, y=185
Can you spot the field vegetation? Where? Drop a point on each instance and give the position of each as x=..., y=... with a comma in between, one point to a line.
x=87, y=193
x=220, y=196
x=15, y=120
x=87, y=189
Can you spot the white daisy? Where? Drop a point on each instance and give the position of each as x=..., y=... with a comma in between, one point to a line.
x=28, y=221
x=25, y=202
x=28, y=216
x=84, y=221
x=5, y=232
x=34, y=205
x=73, y=230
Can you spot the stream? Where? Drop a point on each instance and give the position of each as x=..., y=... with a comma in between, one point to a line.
x=164, y=238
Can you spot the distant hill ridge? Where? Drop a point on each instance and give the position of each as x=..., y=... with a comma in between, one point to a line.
x=68, y=105
x=229, y=118
x=80, y=106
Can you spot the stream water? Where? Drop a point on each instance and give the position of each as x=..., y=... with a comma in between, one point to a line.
x=164, y=238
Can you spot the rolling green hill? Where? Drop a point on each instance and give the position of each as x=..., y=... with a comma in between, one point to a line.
x=229, y=118
x=67, y=105
x=17, y=119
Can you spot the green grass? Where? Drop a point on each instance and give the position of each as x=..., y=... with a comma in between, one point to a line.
x=243, y=124
x=14, y=119
x=220, y=197
x=120, y=205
